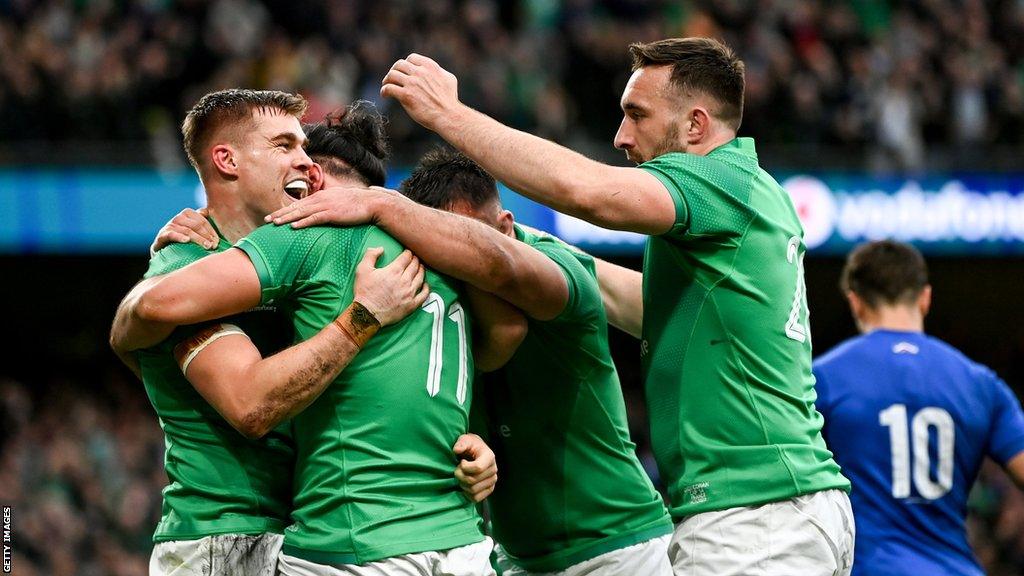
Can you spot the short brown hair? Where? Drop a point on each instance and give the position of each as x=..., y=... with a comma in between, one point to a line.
x=700, y=64
x=229, y=107
x=884, y=272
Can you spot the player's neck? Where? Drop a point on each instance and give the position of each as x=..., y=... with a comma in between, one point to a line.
x=233, y=221
x=896, y=318
x=715, y=140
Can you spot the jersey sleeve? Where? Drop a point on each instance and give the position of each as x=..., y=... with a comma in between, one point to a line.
x=584, y=292
x=665, y=168
x=1006, y=436
x=704, y=192
x=173, y=257
x=284, y=257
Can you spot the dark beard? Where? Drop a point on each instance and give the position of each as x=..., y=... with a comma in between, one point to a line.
x=670, y=143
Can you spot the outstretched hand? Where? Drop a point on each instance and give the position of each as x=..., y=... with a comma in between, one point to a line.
x=427, y=91
x=339, y=206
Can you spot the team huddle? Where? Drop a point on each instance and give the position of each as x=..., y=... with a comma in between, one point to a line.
x=361, y=381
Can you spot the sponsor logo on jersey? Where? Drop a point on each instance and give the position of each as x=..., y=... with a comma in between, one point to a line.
x=905, y=348
x=696, y=493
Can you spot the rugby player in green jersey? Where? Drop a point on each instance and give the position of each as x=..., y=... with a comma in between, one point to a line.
x=374, y=491
x=726, y=351
x=573, y=498
x=230, y=496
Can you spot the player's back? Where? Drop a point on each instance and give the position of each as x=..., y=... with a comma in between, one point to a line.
x=374, y=463
x=910, y=419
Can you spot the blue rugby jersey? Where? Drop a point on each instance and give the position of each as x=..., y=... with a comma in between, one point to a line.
x=910, y=419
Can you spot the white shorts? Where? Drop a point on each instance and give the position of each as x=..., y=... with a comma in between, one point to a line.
x=471, y=560
x=809, y=535
x=648, y=558
x=222, y=555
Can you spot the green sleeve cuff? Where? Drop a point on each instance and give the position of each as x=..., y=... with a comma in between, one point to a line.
x=259, y=262
x=682, y=219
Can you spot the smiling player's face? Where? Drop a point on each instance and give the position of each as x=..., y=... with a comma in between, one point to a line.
x=271, y=160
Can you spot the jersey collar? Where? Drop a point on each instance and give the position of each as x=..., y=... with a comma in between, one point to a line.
x=744, y=146
x=221, y=240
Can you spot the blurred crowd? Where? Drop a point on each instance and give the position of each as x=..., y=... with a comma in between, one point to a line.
x=890, y=79
x=82, y=468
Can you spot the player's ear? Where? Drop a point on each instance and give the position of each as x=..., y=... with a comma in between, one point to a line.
x=697, y=125
x=316, y=177
x=856, y=304
x=224, y=160
x=505, y=222
x=924, y=300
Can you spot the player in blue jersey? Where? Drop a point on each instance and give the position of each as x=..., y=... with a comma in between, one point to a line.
x=909, y=418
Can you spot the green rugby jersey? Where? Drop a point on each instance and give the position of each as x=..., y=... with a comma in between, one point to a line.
x=571, y=487
x=726, y=347
x=374, y=474
x=219, y=481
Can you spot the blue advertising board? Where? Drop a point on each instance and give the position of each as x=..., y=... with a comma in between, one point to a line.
x=96, y=211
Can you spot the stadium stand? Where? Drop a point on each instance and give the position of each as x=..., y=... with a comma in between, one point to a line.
x=895, y=85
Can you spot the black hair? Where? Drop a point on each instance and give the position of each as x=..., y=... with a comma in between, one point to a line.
x=351, y=141
x=445, y=176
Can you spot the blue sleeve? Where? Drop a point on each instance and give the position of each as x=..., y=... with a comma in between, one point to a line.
x=823, y=402
x=1006, y=436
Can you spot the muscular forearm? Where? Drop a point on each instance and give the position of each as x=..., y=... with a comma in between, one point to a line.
x=451, y=244
x=1015, y=469
x=265, y=392
x=622, y=293
x=476, y=254
x=129, y=360
x=131, y=332
x=544, y=171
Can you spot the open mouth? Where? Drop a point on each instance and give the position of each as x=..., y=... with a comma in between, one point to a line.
x=297, y=189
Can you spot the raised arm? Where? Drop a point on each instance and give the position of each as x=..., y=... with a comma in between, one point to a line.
x=622, y=293
x=255, y=394
x=611, y=197
x=449, y=243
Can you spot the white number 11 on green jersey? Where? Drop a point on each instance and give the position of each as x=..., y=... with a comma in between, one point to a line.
x=434, y=305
